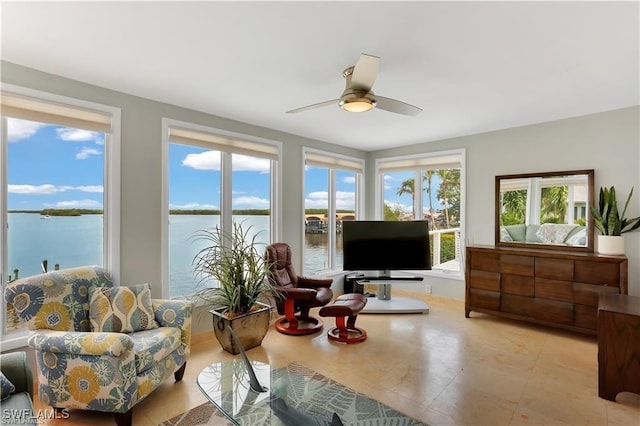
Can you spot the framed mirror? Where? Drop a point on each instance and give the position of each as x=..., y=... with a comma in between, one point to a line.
x=545, y=210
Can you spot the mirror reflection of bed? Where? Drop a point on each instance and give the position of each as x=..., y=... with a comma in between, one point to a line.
x=546, y=210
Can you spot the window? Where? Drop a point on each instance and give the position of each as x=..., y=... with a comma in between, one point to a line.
x=437, y=198
x=332, y=190
x=213, y=178
x=60, y=178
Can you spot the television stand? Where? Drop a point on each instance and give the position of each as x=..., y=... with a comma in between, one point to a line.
x=384, y=303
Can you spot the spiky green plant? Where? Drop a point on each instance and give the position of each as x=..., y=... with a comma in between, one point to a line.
x=234, y=261
x=606, y=217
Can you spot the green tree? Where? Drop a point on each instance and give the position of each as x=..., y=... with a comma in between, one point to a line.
x=428, y=176
x=449, y=194
x=408, y=187
x=391, y=214
x=514, y=204
x=554, y=204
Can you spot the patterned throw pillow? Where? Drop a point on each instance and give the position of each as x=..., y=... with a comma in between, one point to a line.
x=6, y=387
x=121, y=309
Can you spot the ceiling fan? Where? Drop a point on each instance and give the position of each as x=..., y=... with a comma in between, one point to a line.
x=357, y=95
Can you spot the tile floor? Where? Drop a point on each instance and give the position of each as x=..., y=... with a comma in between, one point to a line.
x=440, y=368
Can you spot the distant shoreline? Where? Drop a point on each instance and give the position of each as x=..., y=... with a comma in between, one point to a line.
x=204, y=212
x=80, y=212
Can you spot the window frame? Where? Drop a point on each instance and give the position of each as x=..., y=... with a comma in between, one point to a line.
x=419, y=163
x=226, y=207
x=333, y=161
x=111, y=195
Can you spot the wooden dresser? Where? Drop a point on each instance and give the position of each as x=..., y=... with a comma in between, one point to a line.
x=550, y=287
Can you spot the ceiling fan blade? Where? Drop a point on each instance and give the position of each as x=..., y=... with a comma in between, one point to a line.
x=398, y=107
x=318, y=105
x=365, y=72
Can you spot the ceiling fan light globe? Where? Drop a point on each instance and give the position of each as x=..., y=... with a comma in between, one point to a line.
x=358, y=105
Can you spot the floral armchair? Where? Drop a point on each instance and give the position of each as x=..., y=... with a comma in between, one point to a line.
x=82, y=366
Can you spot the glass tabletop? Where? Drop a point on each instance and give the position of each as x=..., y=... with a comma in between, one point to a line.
x=291, y=397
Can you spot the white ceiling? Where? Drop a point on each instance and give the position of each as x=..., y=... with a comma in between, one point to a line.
x=471, y=66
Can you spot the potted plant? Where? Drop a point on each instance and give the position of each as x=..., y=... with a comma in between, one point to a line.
x=610, y=223
x=235, y=262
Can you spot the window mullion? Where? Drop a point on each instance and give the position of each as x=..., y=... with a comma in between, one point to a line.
x=226, y=187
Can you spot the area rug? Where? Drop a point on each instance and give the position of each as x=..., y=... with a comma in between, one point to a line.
x=326, y=393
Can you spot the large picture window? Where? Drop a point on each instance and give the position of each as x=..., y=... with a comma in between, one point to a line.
x=213, y=179
x=427, y=187
x=332, y=190
x=59, y=184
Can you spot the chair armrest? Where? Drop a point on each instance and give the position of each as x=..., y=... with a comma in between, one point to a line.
x=172, y=313
x=15, y=367
x=298, y=293
x=81, y=343
x=307, y=282
x=175, y=313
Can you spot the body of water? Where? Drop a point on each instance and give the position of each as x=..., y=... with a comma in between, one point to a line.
x=77, y=241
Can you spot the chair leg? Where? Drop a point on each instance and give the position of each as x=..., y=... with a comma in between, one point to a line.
x=178, y=374
x=124, y=419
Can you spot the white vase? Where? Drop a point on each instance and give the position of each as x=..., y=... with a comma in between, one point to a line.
x=611, y=245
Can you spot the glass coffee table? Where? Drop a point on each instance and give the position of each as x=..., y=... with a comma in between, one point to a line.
x=291, y=397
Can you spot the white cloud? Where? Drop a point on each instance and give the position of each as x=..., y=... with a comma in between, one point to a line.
x=319, y=200
x=244, y=163
x=349, y=179
x=87, y=152
x=45, y=189
x=88, y=188
x=310, y=203
x=76, y=204
x=210, y=160
x=78, y=135
x=21, y=129
x=250, y=202
x=192, y=206
x=48, y=189
x=319, y=195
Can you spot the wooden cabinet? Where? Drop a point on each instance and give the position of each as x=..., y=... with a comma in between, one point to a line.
x=550, y=287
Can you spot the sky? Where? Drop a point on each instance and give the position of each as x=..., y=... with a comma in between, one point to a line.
x=57, y=167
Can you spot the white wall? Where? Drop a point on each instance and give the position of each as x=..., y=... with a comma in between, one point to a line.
x=607, y=142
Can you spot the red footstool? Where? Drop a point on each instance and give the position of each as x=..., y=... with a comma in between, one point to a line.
x=346, y=305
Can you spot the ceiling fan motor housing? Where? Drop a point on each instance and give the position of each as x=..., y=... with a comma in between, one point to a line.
x=365, y=99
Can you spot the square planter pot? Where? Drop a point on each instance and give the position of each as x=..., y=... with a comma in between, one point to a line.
x=611, y=245
x=250, y=328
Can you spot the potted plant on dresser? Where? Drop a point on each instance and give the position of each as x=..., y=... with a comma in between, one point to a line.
x=611, y=223
x=235, y=262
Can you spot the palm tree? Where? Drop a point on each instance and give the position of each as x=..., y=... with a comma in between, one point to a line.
x=408, y=187
x=428, y=175
x=445, y=175
x=554, y=203
x=514, y=204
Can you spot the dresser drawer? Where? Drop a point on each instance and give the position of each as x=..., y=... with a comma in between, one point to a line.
x=554, y=289
x=484, y=280
x=484, y=261
x=554, y=269
x=585, y=317
x=519, y=305
x=553, y=311
x=517, y=265
x=517, y=284
x=484, y=299
x=588, y=294
x=597, y=273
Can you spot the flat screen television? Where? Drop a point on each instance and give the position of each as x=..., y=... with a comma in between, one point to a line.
x=385, y=246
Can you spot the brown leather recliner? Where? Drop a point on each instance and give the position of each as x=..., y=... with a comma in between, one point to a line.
x=299, y=294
